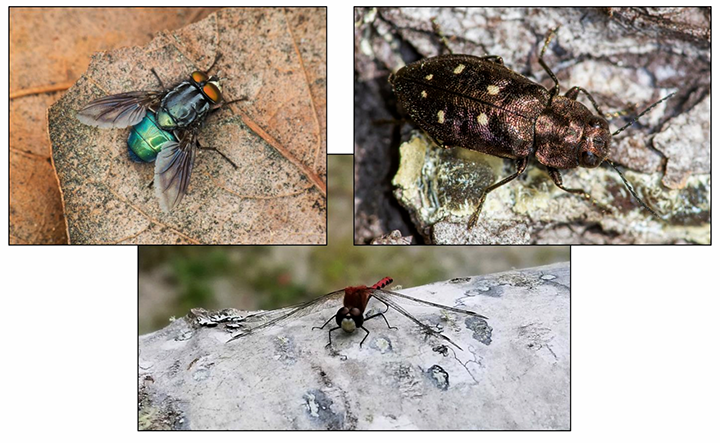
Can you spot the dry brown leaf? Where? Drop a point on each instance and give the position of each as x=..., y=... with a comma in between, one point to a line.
x=40, y=72
x=276, y=196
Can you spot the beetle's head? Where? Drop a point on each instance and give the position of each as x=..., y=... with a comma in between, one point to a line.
x=349, y=319
x=595, y=144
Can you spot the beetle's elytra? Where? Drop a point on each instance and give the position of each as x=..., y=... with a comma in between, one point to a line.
x=478, y=103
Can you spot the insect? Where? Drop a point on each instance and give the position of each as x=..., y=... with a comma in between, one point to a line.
x=478, y=103
x=165, y=127
x=351, y=315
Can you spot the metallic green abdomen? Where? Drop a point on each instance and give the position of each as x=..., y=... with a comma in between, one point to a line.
x=146, y=139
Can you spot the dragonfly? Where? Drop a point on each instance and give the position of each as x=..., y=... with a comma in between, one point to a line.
x=351, y=316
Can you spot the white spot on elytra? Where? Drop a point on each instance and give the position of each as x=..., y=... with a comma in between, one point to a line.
x=423, y=94
x=482, y=119
x=441, y=116
x=459, y=68
x=493, y=90
x=429, y=77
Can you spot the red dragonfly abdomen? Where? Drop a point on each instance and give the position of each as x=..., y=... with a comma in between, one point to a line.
x=382, y=283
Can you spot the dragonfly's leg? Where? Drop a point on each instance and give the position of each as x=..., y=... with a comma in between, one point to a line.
x=381, y=314
x=366, y=335
x=330, y=335
x=323, y=326
x=386, y=306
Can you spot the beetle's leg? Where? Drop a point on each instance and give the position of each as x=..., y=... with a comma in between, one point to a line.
x=632, y=191
x=438, y=142
x=557, y=179
x=157, y=77
x=521, y=165
x=573, y=93
x=494, y=58
x=556, y=89
x=209, y=148
x=323, y=326
x=381, y=314
x=440, y=35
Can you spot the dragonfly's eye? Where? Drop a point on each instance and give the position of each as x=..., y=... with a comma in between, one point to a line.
x=199, y=76
x=341, y=314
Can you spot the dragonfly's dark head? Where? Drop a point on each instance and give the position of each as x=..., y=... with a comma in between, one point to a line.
x=349, y=319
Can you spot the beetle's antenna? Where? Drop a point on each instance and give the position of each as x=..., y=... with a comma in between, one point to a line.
x=440, y=35
x=641, y=114
x=632, y=190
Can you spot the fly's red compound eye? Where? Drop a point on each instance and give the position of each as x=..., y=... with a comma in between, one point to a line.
x=212, y=92
x=199, y=76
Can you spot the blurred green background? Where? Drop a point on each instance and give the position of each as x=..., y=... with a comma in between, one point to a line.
x=174, y=279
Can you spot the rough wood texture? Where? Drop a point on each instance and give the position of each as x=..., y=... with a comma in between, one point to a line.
x=514, y=371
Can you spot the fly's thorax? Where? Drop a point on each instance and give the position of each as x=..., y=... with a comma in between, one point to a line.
x=147, y=138
x=568, y=135
x=182, y=106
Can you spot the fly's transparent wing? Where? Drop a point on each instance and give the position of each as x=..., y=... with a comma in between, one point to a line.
x=173, y=167
x=284, y=315
x=391, y=299
x=120, y=110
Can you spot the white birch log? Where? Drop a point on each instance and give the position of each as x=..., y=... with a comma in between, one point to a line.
x=513, y=371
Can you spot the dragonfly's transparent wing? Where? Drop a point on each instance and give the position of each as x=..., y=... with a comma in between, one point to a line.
x=265, y=320
x=391, y=298
x=417, y=301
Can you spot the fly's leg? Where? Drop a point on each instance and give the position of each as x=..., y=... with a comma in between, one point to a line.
x=158, y=78
x=521, y=165
x=557, y=179
x=209, y=148
x=217, y=57
x=241, y=99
